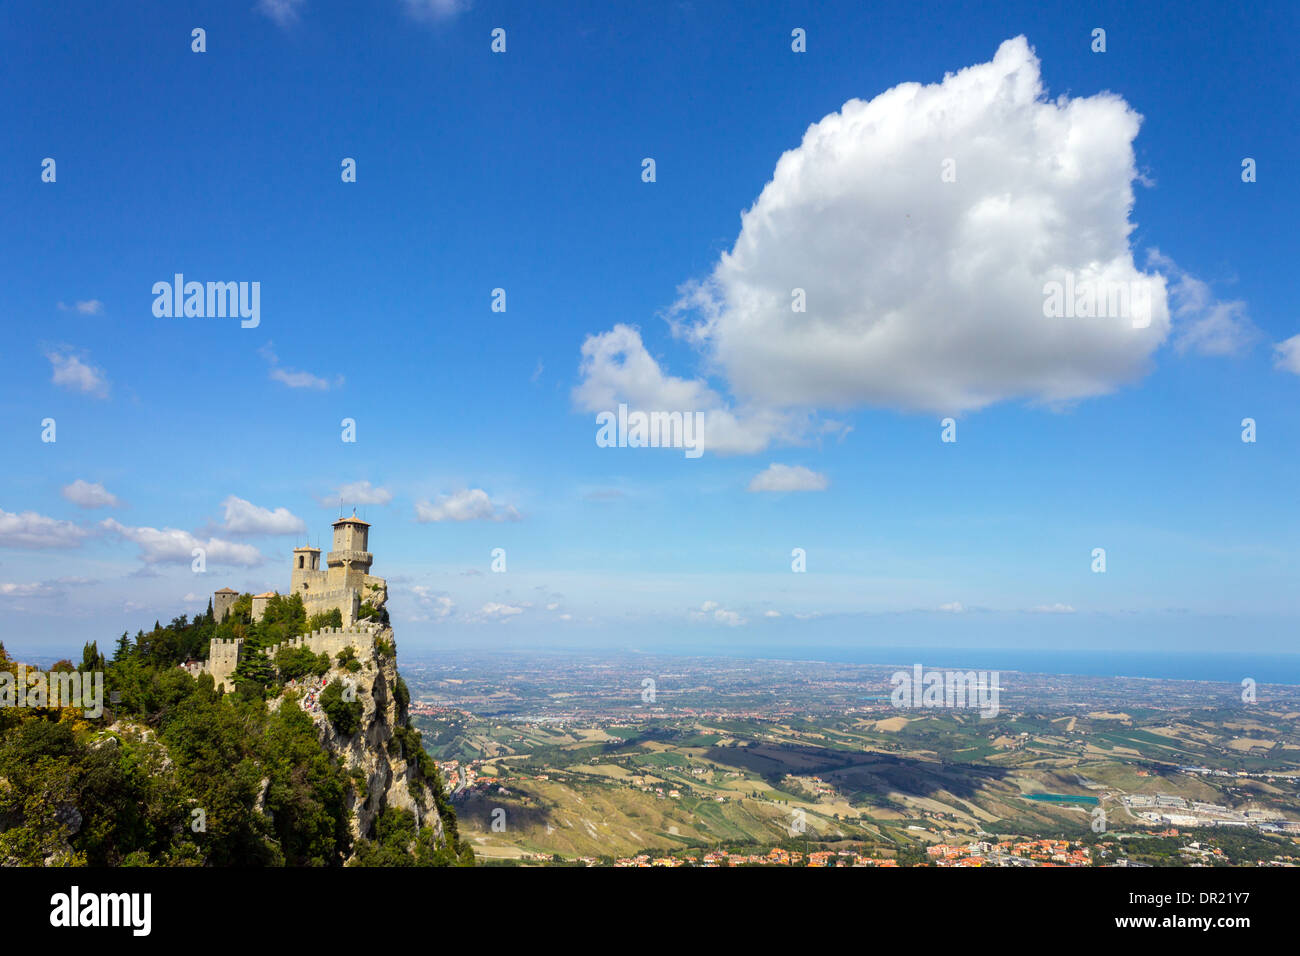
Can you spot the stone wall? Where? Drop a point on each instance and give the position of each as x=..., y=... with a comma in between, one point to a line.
x=332, y=640
x=222, y=658
x=346, y=600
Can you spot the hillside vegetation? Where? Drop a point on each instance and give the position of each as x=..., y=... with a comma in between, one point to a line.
x=175, y=773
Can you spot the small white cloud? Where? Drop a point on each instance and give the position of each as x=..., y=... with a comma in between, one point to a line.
x=499, y=612
x=87, y=495
x=711, y=610
x=470, y=505
x=36, y=531
x=436, y=606
x=244, y=517
x=359, y=493
x=72, y=373
x=952, y=607
x=788, y=478
x=1053, y=609
x=771, y=614
x=1288, y=355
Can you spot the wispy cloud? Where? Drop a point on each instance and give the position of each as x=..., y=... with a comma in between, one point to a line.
x=434, y=10
x=470, y=505
x=295, y=378
x=85, y=307
x=283, y=12
x=1203, y=323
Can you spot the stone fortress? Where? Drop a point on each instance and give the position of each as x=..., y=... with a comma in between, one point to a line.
x=345, y=583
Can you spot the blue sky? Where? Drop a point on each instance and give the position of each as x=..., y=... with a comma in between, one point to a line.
x=523, y=171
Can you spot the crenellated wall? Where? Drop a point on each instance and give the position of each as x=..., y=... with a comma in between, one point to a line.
x=332, y=640
x=223, y=656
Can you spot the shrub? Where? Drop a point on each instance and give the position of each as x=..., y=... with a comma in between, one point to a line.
x=345, y=715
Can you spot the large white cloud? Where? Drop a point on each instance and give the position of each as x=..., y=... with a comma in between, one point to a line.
x=244, y=517
x=31, y=530
x=926, y=294
x=173, y=546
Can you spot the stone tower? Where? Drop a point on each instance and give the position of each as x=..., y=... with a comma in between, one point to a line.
x=307, y=574
x=222, y=602
x=259, y=604
x=349, y=562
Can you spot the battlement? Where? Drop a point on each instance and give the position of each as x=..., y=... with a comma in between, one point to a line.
x=223, y=655
x=331, y=640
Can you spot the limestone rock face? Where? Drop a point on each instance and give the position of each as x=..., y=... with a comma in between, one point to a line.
x=383, y=776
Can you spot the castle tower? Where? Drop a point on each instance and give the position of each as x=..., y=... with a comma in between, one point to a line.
x=222, y=602
x=259, y=604
x=349, y=562
x=307, y=574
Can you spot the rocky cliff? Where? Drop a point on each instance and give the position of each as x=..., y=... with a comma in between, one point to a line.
x=381, y=753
